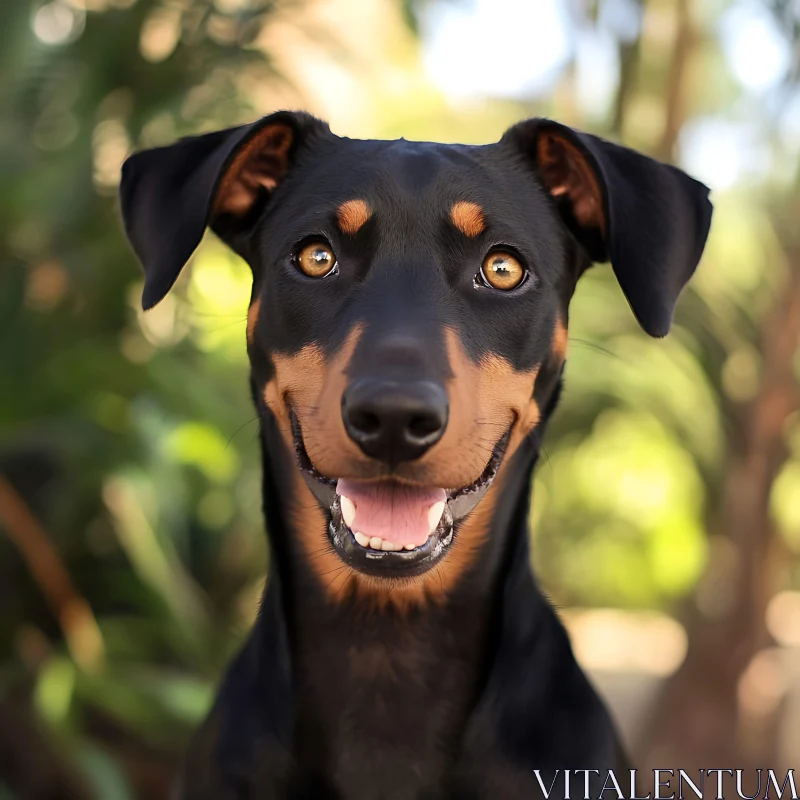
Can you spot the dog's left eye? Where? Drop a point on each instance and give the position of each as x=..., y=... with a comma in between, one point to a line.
x=501, y=270
x=315, y=259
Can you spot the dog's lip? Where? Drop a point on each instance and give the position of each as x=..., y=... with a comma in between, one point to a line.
x=459, y=503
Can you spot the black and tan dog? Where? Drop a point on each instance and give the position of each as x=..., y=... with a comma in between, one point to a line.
x=407, y=335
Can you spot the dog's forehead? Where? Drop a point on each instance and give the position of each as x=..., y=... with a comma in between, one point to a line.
x=417, y=167
x=410, y=189
x=388, y=172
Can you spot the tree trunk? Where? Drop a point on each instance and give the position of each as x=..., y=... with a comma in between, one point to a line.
x=707, y=716
x=675, y=113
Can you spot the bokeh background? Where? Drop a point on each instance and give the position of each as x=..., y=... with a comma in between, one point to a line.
x=667, y=510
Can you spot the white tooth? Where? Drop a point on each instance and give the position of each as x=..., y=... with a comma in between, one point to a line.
x=410, y=546
x=391, y=546
x=375, y=542
x=435, y=514
x=348, y=510
x=361, y=539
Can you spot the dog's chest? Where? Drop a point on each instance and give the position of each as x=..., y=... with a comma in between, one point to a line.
x=387, y=721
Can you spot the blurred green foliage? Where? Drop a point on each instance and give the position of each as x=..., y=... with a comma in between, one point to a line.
x=130, y=438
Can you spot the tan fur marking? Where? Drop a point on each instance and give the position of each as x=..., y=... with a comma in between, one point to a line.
x=492, y=397
x=252, y=319
x=560, y=340
x=306, y=381
x=353, y=215
x=468, y=218
x=565, y=171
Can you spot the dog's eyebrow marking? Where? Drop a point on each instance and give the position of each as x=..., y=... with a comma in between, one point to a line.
x=353, y=215
x=467, y=217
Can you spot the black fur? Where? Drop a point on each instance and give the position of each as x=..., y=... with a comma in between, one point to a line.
x=465, y=699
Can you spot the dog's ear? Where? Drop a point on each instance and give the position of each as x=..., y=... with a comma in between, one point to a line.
x=169, y=195
x=650, y=220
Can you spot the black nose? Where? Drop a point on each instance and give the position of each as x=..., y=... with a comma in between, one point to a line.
x=394, y=421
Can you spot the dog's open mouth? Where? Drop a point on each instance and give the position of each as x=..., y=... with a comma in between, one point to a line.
x=387, y=528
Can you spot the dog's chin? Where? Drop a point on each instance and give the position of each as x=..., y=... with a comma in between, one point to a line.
x=357, y=511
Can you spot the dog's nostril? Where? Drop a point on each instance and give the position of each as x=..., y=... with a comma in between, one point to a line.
x=424, y=425
x=365, y=421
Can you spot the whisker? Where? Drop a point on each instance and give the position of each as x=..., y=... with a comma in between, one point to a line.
x=344, y=582
x=333, y=571
x=547, y=460
x=593, y=346
x=249, y=422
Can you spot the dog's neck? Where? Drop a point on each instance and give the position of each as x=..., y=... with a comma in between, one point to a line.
x=409, y=676
x=391, y=682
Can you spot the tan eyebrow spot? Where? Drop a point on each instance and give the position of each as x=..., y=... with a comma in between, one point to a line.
x=353, y=215
x=467, y=217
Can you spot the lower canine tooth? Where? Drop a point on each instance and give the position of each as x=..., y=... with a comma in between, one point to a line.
x=375, y=542
x=361, y=539
x=434, y=514
x=348, y=510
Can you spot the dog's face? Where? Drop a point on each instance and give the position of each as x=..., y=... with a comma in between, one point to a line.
x=409, y=309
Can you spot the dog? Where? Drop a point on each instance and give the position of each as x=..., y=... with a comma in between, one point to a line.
x=407, y=336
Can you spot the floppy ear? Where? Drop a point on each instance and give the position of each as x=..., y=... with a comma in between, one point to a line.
x=170, y=194
x=650, y=220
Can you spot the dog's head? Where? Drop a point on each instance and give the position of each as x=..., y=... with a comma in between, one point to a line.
x=409, y=310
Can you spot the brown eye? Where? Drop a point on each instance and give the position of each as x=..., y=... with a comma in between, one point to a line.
x=502, y=271
x=316, y=260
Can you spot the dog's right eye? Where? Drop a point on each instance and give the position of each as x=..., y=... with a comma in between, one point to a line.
x=315, y=259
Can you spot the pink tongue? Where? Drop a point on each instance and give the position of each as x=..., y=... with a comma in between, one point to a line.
x=391, y=511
